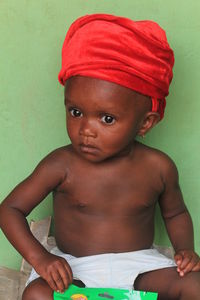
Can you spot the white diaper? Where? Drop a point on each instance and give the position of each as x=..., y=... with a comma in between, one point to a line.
x=113, y=270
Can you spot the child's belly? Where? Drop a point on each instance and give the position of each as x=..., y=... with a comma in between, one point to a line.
x=82, y=234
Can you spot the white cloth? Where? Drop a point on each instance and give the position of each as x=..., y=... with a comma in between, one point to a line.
x=112, y=270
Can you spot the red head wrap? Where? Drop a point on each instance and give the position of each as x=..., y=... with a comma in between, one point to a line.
x=134, y=54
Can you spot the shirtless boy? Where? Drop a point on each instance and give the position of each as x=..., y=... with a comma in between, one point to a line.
x=105, y=184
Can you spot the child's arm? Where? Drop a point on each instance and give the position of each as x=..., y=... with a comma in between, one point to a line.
x=178, y=221
x=18, y=204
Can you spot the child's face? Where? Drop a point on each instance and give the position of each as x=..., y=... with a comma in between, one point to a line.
x=103, y=118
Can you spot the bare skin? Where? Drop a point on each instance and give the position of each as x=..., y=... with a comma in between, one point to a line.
x=105, y=187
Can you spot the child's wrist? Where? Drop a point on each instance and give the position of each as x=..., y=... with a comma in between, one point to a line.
x=36, y=257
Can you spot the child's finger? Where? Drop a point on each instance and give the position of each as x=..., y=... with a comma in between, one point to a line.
x=52, y=284
x=65, y=277
x=188, y=268
x=178, y=258
x=58, y=281
x=185, y=262
x=69, y=272
x=196, y=268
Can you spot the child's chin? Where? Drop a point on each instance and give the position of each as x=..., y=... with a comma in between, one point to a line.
x=93, y=158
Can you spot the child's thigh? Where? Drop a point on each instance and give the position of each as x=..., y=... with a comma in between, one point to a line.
x=169, y=285
x=38, y=289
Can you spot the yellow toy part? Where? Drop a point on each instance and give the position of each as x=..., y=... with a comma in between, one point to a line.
x=79, y=297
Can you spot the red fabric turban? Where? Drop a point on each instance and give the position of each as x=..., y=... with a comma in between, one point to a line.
x=134, y=54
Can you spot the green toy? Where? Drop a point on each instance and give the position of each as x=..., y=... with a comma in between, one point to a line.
x=77, y=293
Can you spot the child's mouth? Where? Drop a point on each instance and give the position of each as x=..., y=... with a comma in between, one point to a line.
x=90, y=149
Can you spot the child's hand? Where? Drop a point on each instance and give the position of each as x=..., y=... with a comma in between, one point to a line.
x=55, y=271
x=187, y=261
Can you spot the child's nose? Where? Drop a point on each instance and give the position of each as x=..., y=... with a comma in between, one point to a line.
x=88, y=128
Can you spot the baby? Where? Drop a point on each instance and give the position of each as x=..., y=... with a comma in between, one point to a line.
x=105, y=184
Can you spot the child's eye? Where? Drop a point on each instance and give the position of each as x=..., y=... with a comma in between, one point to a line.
x=75, y=112
x=108, y=119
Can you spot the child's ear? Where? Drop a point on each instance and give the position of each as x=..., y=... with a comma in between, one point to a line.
x=149, y=121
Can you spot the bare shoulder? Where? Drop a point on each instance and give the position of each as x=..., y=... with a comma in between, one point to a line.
x=57, y=156
x=160, y=162
x=55, y=164
x=45, y=178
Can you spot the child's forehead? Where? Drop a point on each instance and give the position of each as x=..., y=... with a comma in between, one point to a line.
x=88, y=86
x=87, y=91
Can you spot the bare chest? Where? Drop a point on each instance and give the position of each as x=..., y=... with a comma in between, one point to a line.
x=108, y=191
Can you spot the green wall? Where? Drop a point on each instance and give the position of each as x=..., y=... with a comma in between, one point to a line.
x=32, y=120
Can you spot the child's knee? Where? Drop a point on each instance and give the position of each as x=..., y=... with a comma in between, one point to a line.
x=38, y=290
x=187, y=287
x=190, y=286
